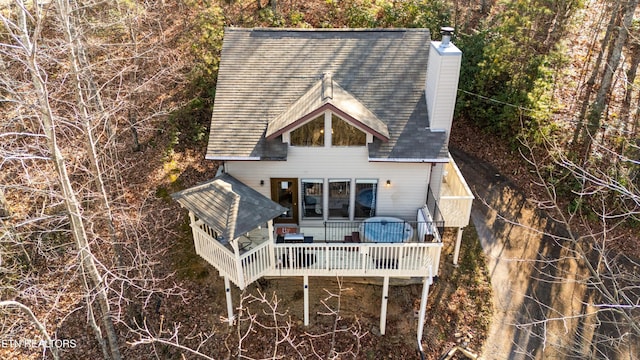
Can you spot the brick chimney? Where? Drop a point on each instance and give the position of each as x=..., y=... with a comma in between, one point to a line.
x=441, y=86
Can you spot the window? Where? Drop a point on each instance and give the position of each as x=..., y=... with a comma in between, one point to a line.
x=366, y=198
x=342, y=133
x=345, y=134
x=339, y=198
x=309, y=134
x=364, y=202
x=312, y=198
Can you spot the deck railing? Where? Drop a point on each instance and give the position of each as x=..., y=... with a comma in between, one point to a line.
x=434, y=210
x=335, y=259
x=457, y=201
x=256, y=262
x=402, y=259
x=215, y=253
x=384, y=231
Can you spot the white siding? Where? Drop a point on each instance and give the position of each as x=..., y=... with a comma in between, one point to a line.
x=441, y=85
x=436, y=180
x=407, y=192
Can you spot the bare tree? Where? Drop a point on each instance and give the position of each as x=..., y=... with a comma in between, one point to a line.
x=584, y=294
x=57, y=157
x=27, y=42
x=595, y=71
x=264, y=328
x=41, y=327
x=352, y=331
x=612, y=63
x=634, y=62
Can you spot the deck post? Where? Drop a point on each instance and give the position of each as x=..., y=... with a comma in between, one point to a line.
x=383, y=307
x=192, y=224
x=239, y=269
x=306, y=299
x=227, y=290
x=456, y=251
x=272, y=251
x=423, y=308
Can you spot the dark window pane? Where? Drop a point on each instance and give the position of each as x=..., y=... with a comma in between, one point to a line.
x=309, y=134
x=366, y=198
x=339, y=198
x=345, y=134
x=312, y=198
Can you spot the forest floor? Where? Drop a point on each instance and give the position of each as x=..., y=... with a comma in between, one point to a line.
x=459, y=302
x=459, y=308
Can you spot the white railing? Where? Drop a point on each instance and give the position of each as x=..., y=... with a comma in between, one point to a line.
x=317, y=259
x=334, y=259
x=455, y=202
x=256, y=262
x=215, y=253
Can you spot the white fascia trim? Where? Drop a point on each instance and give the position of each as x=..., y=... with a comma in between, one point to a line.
x=230, y=158
x=400, y=160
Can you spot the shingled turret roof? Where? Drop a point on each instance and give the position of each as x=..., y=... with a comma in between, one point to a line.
x=228, y=206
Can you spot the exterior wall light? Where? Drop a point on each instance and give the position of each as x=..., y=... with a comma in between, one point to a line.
x=388, y=182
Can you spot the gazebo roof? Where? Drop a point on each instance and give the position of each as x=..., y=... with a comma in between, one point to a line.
x=228, y=206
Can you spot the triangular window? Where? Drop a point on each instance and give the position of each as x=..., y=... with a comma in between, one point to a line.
x=345, y=134
x=309, y=134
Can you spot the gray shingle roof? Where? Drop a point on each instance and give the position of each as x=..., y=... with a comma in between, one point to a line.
x=228, y=206
x=263, y=72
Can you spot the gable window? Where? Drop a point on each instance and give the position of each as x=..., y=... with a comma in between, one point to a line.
x=345, y=134
x=309, y=134
x=312, y=133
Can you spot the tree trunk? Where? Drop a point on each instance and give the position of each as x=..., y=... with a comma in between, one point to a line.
x=631, y=78
x=132, y=117
x=594, y=75
x=74, y=212
x=597, y=108
x=4, y=207
x=80, y=78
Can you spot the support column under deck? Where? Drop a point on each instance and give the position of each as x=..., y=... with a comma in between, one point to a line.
x=383, y=307
x=423, y=309
x=306, y=299
x=227, y=290
x=456, y=251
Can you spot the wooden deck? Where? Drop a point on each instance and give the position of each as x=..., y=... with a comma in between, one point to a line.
x=411, y=259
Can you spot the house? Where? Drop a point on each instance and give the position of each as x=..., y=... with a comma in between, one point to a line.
x=335, y=162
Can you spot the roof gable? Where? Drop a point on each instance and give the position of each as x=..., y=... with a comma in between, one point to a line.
x=326, y=94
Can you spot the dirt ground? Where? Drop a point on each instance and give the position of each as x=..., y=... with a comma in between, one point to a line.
x=459, y=307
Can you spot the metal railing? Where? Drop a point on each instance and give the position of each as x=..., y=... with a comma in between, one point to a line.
x=434, y=210
x=382, y=231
